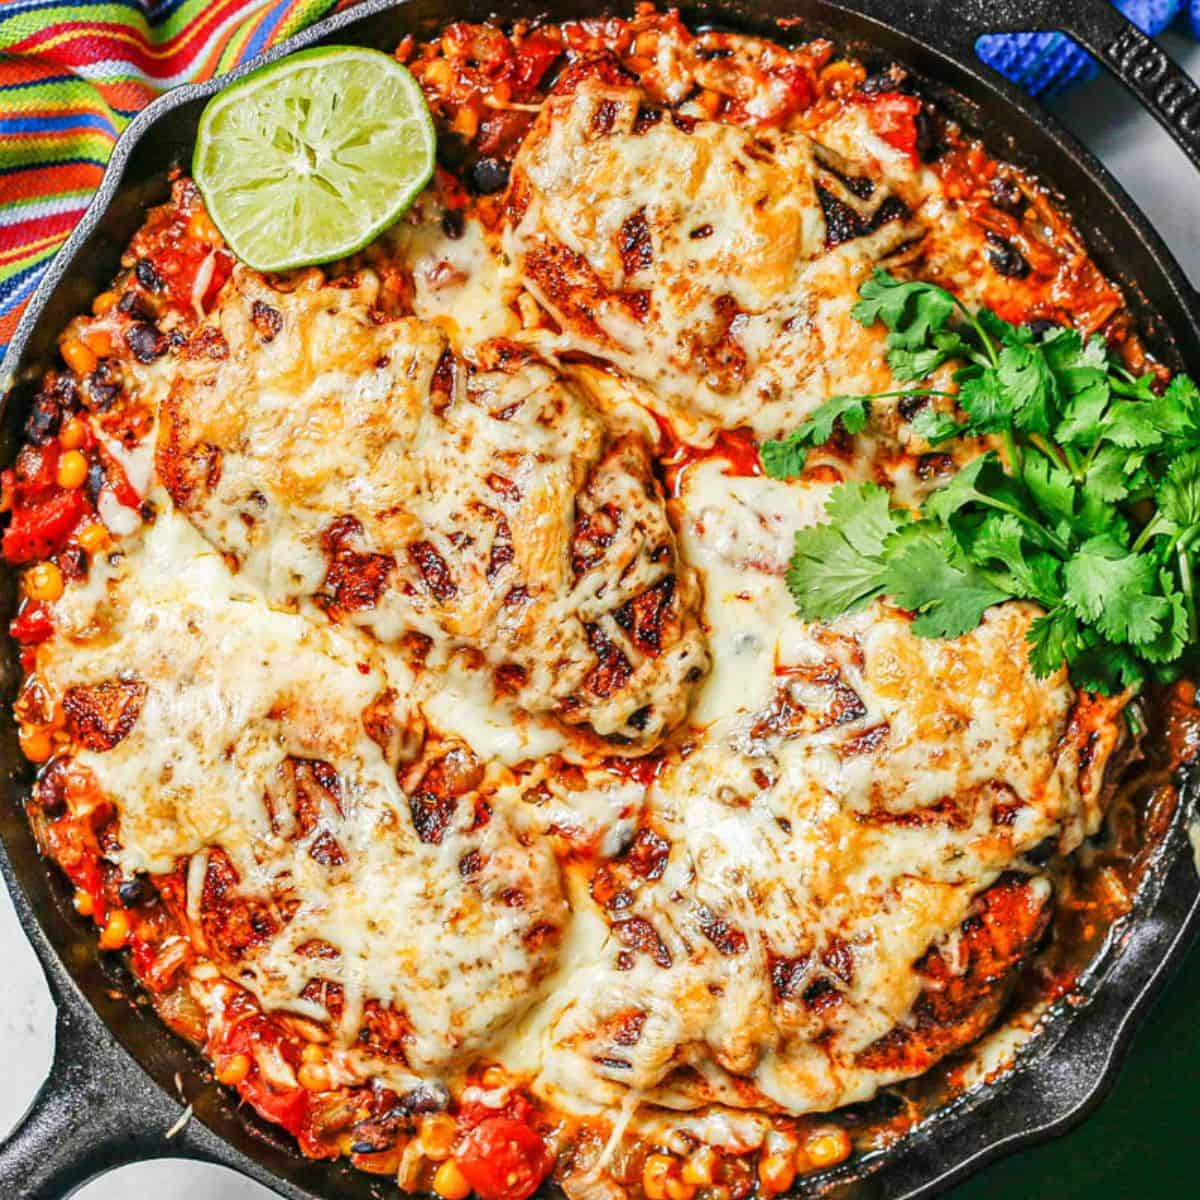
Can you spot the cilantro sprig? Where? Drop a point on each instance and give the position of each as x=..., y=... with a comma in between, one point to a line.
x=1092, y=511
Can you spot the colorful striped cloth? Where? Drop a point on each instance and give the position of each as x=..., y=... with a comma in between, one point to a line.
x=73, y=74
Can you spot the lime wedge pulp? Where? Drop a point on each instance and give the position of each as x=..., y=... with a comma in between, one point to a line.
x=311, y=157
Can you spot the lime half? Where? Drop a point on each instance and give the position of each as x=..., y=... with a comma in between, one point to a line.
x=309, y=158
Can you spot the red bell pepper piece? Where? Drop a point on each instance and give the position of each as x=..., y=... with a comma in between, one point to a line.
x=38, y=530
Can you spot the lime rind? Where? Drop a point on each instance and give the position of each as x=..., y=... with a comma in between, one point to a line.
x=310, y=158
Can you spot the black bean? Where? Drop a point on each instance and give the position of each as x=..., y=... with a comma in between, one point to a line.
x=133, y=891
x=893, y=79
x=63, y=389
x=452, y=223
x=1005, y=257
x=1006, y=195
x=147, y=276
x=489, y=175
x=1043, y=852
x=929, y=145
x=1041, y=326
x=451, y=150
x=425, y=1098
x=95, y=481
x=134, y=304
x=44, y=420
x=145, y=341
x=101, y=387
x=74, y=563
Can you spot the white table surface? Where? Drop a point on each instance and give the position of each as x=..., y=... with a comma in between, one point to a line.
x=1160, y=179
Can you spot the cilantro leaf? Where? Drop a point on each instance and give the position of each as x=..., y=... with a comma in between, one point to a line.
x=1053, y=639
x=1034, y=574
x=1053, y=491
x=907, y=365
x=837, y=567
x=1176, y=631
x=1179, y=492
x=912, y=312
x=1109, y=475
x=982, y=398
x=1088, y=397
x=934, y=426
x=1116, y=591
x=1027, y=382
x=785, y=458
x=926, y=575
x=1093, y=512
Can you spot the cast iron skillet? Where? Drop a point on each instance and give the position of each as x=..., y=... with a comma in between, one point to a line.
x=120, y=1080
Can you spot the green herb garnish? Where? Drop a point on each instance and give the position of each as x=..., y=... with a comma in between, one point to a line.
x=1093, y=511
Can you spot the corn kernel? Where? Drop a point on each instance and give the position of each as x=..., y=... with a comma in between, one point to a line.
x=99, y=341
x=438, y=74
x=44, y=582
x=93, y=537
x=312, y=1053
x=78, y=357
x=828, y=1147
x=234, y=1070
x=494, y=1077
x=466, y=123
x=104, y=303
x=72, y=469
x=437, y=1136
x=36, y=744
x=657, y=1170
x=346, y=1143
x=84, y=904
x=450, y=1183
x=700, y=1167
x=73, y=434
x=678, y=1190
x=314, y=1077
x=776, y=1173
x=201, y=228
x=116, y=931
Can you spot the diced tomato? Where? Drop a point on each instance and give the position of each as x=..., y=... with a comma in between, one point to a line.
x=893, y=116
x=179, y=264
x=800, y=89
x=84, y=872
x=38, y=530
x=503, y=1159
x=32, y=626
x=117, y=480
x=286, y=1107
x=534, y=56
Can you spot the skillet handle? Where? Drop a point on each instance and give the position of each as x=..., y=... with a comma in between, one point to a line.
x=1143, y=67
x=95, y=1111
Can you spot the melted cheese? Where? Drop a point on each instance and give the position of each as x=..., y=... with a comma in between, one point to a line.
x=457, y=510
x=832, y=798
x=856, y=788
x=233, y=691
x=693, y=255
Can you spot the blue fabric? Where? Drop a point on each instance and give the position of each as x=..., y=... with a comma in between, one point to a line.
x=1046, y=64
